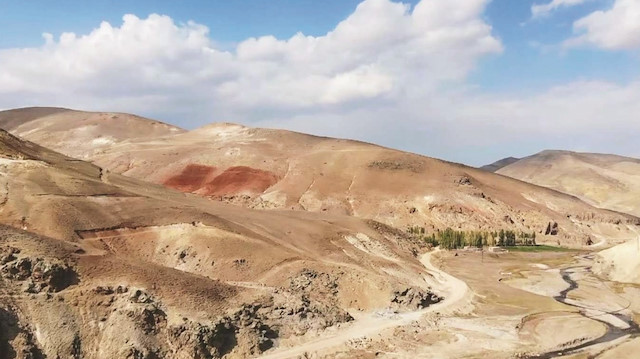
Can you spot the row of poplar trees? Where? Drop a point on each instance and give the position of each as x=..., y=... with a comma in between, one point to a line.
x=453, y=239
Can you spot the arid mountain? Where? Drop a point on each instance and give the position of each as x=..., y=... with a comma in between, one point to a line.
x=499, y=164
x=94, y=264
x=277, y=169
x=97, y=265
x=80, y=134
x=605, y=181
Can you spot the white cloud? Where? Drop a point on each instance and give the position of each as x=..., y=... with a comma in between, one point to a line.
x=615, y=29
x=542, y=10
x=474, y=128
x=371, y=54
x=388, y=73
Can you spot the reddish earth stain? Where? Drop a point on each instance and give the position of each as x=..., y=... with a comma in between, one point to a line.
x=192, y=178
x=240, y=179
x=203, y=180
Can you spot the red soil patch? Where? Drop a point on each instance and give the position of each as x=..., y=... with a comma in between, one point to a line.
x=240, y=179
x=202, y=180
x=192, y=178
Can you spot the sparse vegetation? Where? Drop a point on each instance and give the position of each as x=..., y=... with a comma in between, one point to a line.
x=539, y=248
x=453, y=239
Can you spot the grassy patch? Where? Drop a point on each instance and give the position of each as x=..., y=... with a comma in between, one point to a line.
x=540, y=248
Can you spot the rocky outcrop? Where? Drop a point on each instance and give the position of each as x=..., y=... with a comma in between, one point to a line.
x=414, y=299
x=310, y=303
x=38, y=274
x=16, y=340
x=243, y=333
x=463, y=181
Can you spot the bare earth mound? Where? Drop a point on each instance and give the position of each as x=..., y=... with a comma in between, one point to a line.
x=80, y=134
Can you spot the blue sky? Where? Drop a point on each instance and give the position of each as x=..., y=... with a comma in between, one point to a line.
x=229, y=21
x=525, y=67
x=522, y=67
x=507, y=59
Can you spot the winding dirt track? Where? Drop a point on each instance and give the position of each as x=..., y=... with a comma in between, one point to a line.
x=455, y=292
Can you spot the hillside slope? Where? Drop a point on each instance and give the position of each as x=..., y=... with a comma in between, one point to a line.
x=278, y=169
x=494, y=167
x=262, y=168
x=80, y=134
x=620, y=263
x=605, y=181
x=97, y=265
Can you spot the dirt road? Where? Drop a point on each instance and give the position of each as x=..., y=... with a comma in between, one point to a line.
x=455, y=292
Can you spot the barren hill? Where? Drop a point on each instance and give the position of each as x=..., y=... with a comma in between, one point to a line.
x=277, y=169
x=494, y=167
x=96, y=265
x=80, y=134
x=605, y=181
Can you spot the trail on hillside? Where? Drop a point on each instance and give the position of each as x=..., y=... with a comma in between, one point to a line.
x=454, y=290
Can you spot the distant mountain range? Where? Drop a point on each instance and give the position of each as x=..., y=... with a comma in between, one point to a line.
x=603, y=180
x=279, y=169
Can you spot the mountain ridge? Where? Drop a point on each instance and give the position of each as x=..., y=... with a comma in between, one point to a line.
x=495, y=166
x=280, y=169
x=603, y=180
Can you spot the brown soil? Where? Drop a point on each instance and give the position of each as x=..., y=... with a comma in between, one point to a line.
x=239, y=179
x=98, y=265
x=606, y=181
x=192, y=178
x=207, y=181
x=110, y=266
x=277, y=169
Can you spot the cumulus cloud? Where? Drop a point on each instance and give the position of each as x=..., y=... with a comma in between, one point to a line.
x=542, y=10
x=477, y=128
x=371, y=54
x=388, y=73
x=615, y=29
